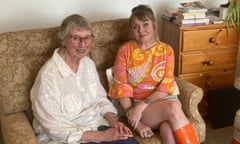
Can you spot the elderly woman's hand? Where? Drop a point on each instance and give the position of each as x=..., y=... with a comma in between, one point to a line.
x=121, y=127
x=113, y=134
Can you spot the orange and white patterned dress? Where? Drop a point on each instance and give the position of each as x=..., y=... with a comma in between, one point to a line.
x=138, y=73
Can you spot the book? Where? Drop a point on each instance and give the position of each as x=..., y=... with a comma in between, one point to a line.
x=202, y=21
x=216, y=20
x=168, y=18
x=191, y=10
x=185, y=21
x=192, y=21
x=170, y=13
x=195, y=6
x=191, y=15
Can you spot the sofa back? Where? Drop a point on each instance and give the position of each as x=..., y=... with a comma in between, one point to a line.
x=22, y=54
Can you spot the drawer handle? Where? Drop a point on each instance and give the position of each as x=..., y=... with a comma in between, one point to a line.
x=209, y=83
x=209, y=62
x=212, y=40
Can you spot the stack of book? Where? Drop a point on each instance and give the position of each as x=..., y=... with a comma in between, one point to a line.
x=192, y=13
x=169, y=15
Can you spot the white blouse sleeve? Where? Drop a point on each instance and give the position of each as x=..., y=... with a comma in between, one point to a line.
x=106, y=104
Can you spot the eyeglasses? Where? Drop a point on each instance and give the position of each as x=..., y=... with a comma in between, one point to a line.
x=77, y=39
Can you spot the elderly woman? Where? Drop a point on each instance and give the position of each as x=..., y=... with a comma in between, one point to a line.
x=68, y=101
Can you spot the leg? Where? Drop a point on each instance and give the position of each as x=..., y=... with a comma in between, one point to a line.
x=186, y=135
x=166, y=133
x=171, y=112
x=127, y=141
x=89, y=143
x=161, y=111
x=130, y=140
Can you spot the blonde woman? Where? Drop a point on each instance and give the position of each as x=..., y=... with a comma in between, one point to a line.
x=144, y=83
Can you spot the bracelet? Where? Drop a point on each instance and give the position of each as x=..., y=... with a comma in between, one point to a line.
x=147, y=101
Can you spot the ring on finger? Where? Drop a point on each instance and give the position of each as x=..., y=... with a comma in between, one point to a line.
x=149, y=133
x=145, y=134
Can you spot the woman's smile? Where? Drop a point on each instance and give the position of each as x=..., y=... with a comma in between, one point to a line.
x=81, y=50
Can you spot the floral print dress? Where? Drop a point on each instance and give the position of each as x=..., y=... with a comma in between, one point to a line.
x=137, y=73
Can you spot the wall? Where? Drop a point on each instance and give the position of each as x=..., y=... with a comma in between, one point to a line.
x=26, y=14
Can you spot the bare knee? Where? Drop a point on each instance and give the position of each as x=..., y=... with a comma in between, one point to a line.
x=175, y=110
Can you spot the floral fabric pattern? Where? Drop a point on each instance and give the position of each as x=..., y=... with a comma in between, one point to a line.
x=137, y=73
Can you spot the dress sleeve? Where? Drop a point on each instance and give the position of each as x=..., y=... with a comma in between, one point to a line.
x=46, y=104
x=120, y=87
x=168, y=84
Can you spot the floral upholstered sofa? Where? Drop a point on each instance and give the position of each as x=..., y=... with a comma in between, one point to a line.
x=22, y=53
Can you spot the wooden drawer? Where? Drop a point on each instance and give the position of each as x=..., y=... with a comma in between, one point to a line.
x=208, y=61
x=211, y=81
x=198, y=40
x=204, y=55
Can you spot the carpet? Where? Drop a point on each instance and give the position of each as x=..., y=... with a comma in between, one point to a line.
x=218, y=136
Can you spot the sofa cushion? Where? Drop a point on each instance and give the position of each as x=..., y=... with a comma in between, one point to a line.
x=109, y=35
x=16, y=129
x=22, y=54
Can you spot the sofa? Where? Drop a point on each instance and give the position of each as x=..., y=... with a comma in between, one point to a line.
x=22, y=53
x=236, y=126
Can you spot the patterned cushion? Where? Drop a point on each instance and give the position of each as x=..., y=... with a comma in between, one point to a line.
x=22, y=54
x=109, y=35
x=236, y=134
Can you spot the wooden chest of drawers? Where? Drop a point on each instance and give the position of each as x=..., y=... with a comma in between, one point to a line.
x=204, y=55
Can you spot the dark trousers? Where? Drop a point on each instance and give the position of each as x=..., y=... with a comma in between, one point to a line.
x=127, y=141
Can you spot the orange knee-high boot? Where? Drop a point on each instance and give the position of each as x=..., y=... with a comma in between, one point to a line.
x=235, y=142
x=186, y=135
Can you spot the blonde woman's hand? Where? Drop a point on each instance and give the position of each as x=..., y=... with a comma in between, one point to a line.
x=144, y=131
x=134, y=114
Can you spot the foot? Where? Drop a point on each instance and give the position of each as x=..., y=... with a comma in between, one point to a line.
x=144, y=131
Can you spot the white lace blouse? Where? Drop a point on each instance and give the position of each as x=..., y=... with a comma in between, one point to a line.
x=65, y=104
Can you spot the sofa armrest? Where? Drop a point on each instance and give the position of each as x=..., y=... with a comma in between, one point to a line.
x=16, y=129
x=190, y=96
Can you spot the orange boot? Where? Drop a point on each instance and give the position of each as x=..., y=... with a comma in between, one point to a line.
x=235, y=142
x=186, y=135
